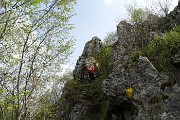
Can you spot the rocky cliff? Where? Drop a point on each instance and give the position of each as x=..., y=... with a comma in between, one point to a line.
x=155, y=96
x=87, y=58
x=171, y=20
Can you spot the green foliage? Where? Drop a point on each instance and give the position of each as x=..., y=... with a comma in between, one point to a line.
x=85, y=117
x=161, y=49
x=110, y=38
x=47, y=109
x=104, y=57
x=143, y=22
x=75, y=91
x=92, y=92
x=136, y=14
x=105, y=60
x=35, y=42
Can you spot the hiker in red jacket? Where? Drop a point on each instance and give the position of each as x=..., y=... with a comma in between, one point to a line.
x=91, y=72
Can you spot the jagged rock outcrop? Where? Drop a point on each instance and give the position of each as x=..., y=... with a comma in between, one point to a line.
x=171, y=20
x=73, y=110
x=155, y=95
x=124, y=45
x=74, y=107
x=87, y=58
x=144, y=79
x=149, y=100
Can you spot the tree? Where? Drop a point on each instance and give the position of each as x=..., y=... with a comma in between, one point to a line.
x=160, y=7
x=104, y=57
x=110, y=38
x=34, y=42
x=142, y=24
x=136, y=14
x=48, y=101
x=58, y=85
x=143, y=21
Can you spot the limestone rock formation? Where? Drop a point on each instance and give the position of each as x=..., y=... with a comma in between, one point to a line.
x=149, y=100
x=171, y=20
x=73, y=110
x=176, y=59
x=174, y=17
x=155, y=95
x=124, y=45
x=87, y=58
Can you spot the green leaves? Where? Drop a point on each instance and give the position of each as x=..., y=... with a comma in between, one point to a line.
x=35, y=41
x=36, y=2
x=104, y=59
x=161, y=49
x=1, y=92
x=110, y=38
x=137, y=14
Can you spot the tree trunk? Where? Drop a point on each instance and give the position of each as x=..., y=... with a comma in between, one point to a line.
x=2, y=113
x=44, y=117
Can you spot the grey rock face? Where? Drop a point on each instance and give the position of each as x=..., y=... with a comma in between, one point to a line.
x=87, y=58
x=91, y=47
x=78, y=111
x=124, y=31
x=73, y=110
x=144, y=75
x=150, y=100
x=171, y=20
x=153, y=97
x=124, y=45
x=176, y=60
x=174, y=16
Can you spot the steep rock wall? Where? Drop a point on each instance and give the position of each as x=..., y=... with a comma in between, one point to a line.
x=87, y=58
x=155, y=95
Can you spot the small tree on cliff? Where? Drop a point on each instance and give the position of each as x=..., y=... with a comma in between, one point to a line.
x=146, y=19
x=136, y=15
x=104, y=58
x=160, y=7
x=143, y=22
x=110, y=38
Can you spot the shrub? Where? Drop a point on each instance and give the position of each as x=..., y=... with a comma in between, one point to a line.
x=104, y=58
x=161, y=49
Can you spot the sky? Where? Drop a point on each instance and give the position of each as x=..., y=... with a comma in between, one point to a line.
x=94, y=18
x=97, y=18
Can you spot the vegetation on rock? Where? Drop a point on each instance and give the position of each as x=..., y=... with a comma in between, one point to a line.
x=161, y=50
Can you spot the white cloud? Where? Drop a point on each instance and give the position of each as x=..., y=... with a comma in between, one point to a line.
x=108, y=2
